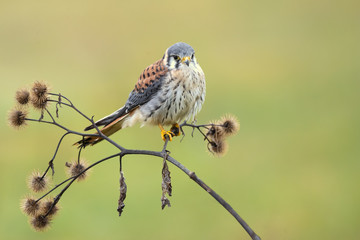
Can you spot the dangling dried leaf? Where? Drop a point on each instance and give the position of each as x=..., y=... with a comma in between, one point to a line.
x=57, y=110
x=165, y=185
x=166, y=179
x=164, y=202
x=58, y=104
x=123, y=189
x=59, y=99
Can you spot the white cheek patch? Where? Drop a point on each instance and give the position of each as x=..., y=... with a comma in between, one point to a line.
x=172, y=63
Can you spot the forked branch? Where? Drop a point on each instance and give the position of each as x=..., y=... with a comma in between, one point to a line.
x=41, y=215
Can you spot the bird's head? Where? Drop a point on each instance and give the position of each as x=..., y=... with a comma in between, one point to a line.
x=180, y=55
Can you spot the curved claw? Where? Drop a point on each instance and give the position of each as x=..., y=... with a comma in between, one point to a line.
x=175, y=129
x=166, y=133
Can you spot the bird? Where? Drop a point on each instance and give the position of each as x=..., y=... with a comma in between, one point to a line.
x=169, y=91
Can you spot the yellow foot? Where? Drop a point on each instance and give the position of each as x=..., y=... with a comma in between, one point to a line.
x=175, y=129
x=166, y=133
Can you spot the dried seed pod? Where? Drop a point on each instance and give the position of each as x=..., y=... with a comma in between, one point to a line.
x=218, y=148
x=22, y=96
x=230, y=124
x=39, y=95
x=30, y=206
x=17, y=117
x=40, y=222
x=49, y=208
x=215, y=132
x=76, y=168
x=37, y=182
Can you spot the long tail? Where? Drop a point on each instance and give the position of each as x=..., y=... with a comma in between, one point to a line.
x=112, y=123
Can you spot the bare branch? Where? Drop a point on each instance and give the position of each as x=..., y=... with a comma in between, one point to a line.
x=164, y=154
x=51, y=162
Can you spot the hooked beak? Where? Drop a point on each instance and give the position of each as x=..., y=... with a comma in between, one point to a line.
x=186, y=60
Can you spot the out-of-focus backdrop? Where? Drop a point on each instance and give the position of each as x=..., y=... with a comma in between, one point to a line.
x=289, y=70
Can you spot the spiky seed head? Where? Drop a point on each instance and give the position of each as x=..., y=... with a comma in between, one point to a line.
x=39, y=89
x=17, y=118
x=37, y=182
x=39, y=95
x=22, y=96
x=75, y=168
x=215, y=132
x=218, y=148
x=40, y=222
x=47, y=208
x=230, y=124
x=30, y=206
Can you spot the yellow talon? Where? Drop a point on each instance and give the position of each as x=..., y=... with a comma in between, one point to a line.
x=175, y=129
x=164, y=133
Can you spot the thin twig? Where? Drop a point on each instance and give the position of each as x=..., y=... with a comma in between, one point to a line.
x=73, y=178
x=198, y=127
x=51, y=162
x=164, y=154
x=91, y=120
x=192, y=175
x=66, y=129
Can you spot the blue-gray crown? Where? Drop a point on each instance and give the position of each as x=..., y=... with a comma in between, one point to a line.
x=180, y=49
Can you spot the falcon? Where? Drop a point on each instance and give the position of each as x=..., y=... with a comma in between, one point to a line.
x=169, y=91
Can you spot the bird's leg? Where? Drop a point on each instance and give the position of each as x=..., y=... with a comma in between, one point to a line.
x=164, y=133
x=175, y=129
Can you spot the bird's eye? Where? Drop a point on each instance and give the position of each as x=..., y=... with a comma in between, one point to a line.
x=192, y=56
x=177, y=58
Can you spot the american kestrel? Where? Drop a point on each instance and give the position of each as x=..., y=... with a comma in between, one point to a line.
x=167, y=92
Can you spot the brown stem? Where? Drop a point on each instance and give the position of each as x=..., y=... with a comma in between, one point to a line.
x=227, y=206
x=164, y=154
x=193, y=176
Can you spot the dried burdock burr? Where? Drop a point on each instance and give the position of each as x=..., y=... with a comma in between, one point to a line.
x=39, y=95
x=17, y=117
x=76, y=169
x=230, y=125
x=22, y=96
x=49, y=208
x=218, y=148
x=40, y=222
x=37, y=182
x=30, y=206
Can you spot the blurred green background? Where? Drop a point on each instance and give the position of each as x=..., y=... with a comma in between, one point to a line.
x=289, y=70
